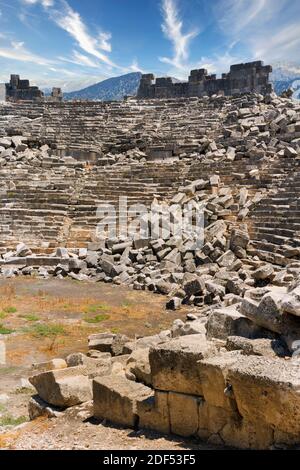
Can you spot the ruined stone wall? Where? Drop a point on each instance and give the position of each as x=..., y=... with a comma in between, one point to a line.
x=19, y=90
x=242, y=78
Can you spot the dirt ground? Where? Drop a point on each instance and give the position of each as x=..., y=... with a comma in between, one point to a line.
x=42, y=319
x=81, y=432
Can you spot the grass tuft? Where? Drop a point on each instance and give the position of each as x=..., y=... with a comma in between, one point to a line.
x=4, y=330
x=47, y=331
x=9, y=310
x=30, y=317
x=9, y=420
x=96, y=319
x=96, y=308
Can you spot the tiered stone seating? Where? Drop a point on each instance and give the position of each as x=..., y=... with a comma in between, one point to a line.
x=57, y=202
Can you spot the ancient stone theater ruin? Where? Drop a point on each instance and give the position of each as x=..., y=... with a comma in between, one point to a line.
x=229, y=374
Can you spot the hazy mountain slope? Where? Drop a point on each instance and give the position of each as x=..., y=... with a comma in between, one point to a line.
x=111, y=89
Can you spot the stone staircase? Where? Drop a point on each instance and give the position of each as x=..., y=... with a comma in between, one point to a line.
x=275, y=221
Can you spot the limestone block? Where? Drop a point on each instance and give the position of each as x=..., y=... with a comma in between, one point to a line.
x=193, y=284
x=101, y=341
x=115, y=398
x=264, y=272
x=50, y=365
x=227, y=259
x=267, y=391
x=153, y=412
x=95, y=367
x=63, y=387
x=213, y=377
x=291, y=302
x=212, y=419
x=257, y=347
x=245, y=434
x=139, y=365
x=183, y=411
x=227, y=321
x=174, y=363
x=238, y=239
x=194, y=327
x=267, y=313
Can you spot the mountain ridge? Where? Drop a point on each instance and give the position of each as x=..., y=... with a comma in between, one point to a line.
x=111, y=89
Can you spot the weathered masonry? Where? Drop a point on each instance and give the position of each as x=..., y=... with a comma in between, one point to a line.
x=242, y=78
x=18, y=89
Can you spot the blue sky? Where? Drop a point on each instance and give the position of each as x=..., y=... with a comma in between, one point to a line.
x=74, y=43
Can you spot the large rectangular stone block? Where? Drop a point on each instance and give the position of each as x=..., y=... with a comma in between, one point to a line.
x=115, y=399
x=213, y=376
x=183, y=411
x=267, y=391
x=174, y=363
x=153, y=412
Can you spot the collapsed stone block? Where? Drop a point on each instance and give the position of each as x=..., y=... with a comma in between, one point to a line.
x=102, y=341
x=63, y=387
x=257, y=347
x=266, y=313
x=115, y=399
x=50, y=365
x=228, y=321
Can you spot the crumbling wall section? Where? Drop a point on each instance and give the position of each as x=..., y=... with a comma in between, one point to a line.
x=242, y=78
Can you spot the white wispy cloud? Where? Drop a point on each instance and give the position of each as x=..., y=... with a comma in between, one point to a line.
x=80, y=59
x=266, y=28
x=104, y=43
x=71, y=22
x=172, y=28
x=44, y=3
x=92, y=52
x=16, y=51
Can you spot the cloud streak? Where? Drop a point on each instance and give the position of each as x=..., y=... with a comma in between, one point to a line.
x=93, y=46
x=44, y=3
x=70, y=21
x=17, y=51
x=172, y=28
x=266, y=29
